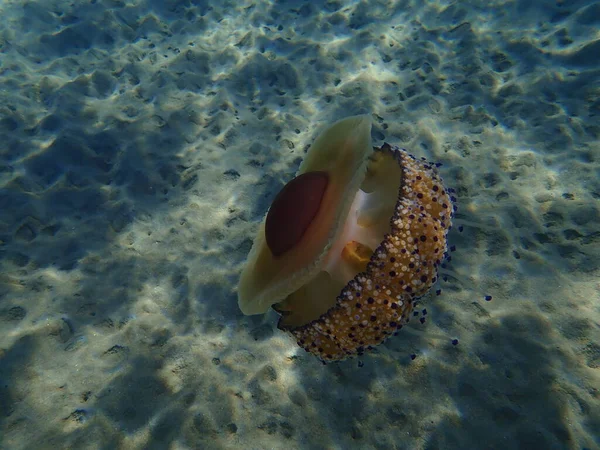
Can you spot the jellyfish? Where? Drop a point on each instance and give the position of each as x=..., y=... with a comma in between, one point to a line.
x=350, y=244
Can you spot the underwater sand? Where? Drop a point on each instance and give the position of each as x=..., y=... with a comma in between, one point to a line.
x=141, y=143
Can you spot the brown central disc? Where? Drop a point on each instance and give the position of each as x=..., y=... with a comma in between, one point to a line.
x=293, y=210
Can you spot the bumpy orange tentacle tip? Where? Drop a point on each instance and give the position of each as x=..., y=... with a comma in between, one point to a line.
x=349, y=244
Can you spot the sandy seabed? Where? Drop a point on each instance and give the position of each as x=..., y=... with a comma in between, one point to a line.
x=141, y=143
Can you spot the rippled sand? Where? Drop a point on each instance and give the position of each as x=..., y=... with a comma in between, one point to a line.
x=141, y=143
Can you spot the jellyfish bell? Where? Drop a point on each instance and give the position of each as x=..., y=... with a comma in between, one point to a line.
x=341, y=153
x=349, y=244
